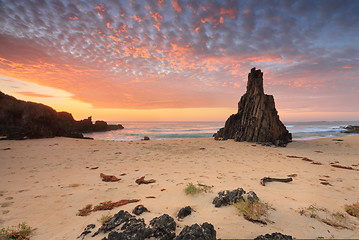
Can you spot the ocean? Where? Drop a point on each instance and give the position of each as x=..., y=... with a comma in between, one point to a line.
x=135, y=131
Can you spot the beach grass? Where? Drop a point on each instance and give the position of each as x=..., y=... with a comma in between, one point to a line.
x=192, y=189
x=104, y=218
x=20, y=232
x=335, y=219
x=352, y=209
x=254, y=211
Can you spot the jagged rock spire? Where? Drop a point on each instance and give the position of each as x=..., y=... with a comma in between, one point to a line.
x=257, y=119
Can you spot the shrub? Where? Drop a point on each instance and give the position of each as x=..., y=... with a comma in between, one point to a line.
x=19, y=232
x=104, y=218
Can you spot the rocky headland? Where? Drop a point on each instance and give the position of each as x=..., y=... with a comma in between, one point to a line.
x=257, y=119
x=21, y=120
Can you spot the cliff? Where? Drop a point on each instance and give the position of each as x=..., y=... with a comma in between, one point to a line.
x=257, y=119
x=21, y=120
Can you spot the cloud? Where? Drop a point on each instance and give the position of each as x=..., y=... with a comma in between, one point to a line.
x=160, y=54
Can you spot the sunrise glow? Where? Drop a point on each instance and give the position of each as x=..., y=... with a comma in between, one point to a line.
x=181, y=60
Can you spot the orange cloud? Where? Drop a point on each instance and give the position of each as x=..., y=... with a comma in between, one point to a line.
x=230, y=12
x=347, y=67
x=176, y=6
x=137, y=18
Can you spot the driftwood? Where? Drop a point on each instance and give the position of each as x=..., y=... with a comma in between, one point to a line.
x=142, y=180
x=109, y=178
x=269, y=179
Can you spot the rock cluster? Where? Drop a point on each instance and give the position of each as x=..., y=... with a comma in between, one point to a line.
x=163, y=227
x=257, y=119
x=228, y=197
x=351, y=129
x=21, y=120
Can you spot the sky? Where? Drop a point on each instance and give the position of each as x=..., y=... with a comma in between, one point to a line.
x=181, y=60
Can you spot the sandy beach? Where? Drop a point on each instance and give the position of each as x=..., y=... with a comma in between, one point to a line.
x=45, y=182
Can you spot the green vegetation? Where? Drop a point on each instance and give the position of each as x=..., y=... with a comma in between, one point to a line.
x=352, y=209
x=19, y=232
x=335, y=219
x=254, y=211
x=104, y=218
x=193, y=189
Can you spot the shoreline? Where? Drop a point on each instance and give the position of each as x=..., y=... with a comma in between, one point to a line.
x=44, y=182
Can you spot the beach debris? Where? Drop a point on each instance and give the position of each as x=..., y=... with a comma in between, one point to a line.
x=109, y=205
x=93, y=168
x=269, y=179
x=163, y=189
x=225, y=198
x=343, y=167
x=85, y=211
x=109, y=178
x=202, y=148
x=205, y=231
x=293, y=175
x=142, y=180
x=307, y=159
x=325, y=183
x=86, y=231
x=257, y=119
x=337, y=140
x=274, y=236
x=139, y=209
x=123, y=174
x=5, y=149
x=184, y=212
x=145, y=138
x=291, y=156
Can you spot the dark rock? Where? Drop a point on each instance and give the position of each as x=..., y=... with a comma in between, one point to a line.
x=257, y=119
x=251, y=197
x=22, y=120
x=145, y=138
x=228, y=197
x=118, y=219
x=184, y=212
x=204, y=232
x=86, y=231
x=163, y=227
x=139, y=209
x=351, y=129
x=274, y=236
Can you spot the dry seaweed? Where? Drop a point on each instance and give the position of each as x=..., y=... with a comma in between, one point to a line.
x=109, y=178
x=142, y=180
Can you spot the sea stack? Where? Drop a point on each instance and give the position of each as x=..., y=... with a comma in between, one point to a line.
x=257, y=119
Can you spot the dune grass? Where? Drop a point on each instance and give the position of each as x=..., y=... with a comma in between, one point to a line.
x=352, y=209
x=192, y=189
x=20, y=232
x=254, y=211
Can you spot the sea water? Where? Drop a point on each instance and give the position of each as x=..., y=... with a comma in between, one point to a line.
x=135, y=131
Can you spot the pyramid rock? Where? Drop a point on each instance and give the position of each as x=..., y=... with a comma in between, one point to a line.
x=257, y=119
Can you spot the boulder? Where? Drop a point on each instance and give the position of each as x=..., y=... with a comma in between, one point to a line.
x=257, y=119
x=225, y=198
x=274, y=236
x=184, y=212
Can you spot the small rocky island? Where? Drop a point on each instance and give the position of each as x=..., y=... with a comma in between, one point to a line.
x=257, y=119
x=22, y=120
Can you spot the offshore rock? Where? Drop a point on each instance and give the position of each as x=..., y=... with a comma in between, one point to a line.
x=257, y=119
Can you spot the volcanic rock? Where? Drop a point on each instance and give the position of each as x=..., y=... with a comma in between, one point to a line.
x=351, y=129
x=139, y=209
x=274, y=236
x=228, y=197
x=257, y=119
x=204, y=232
x=184, y=212
x=163, y=227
